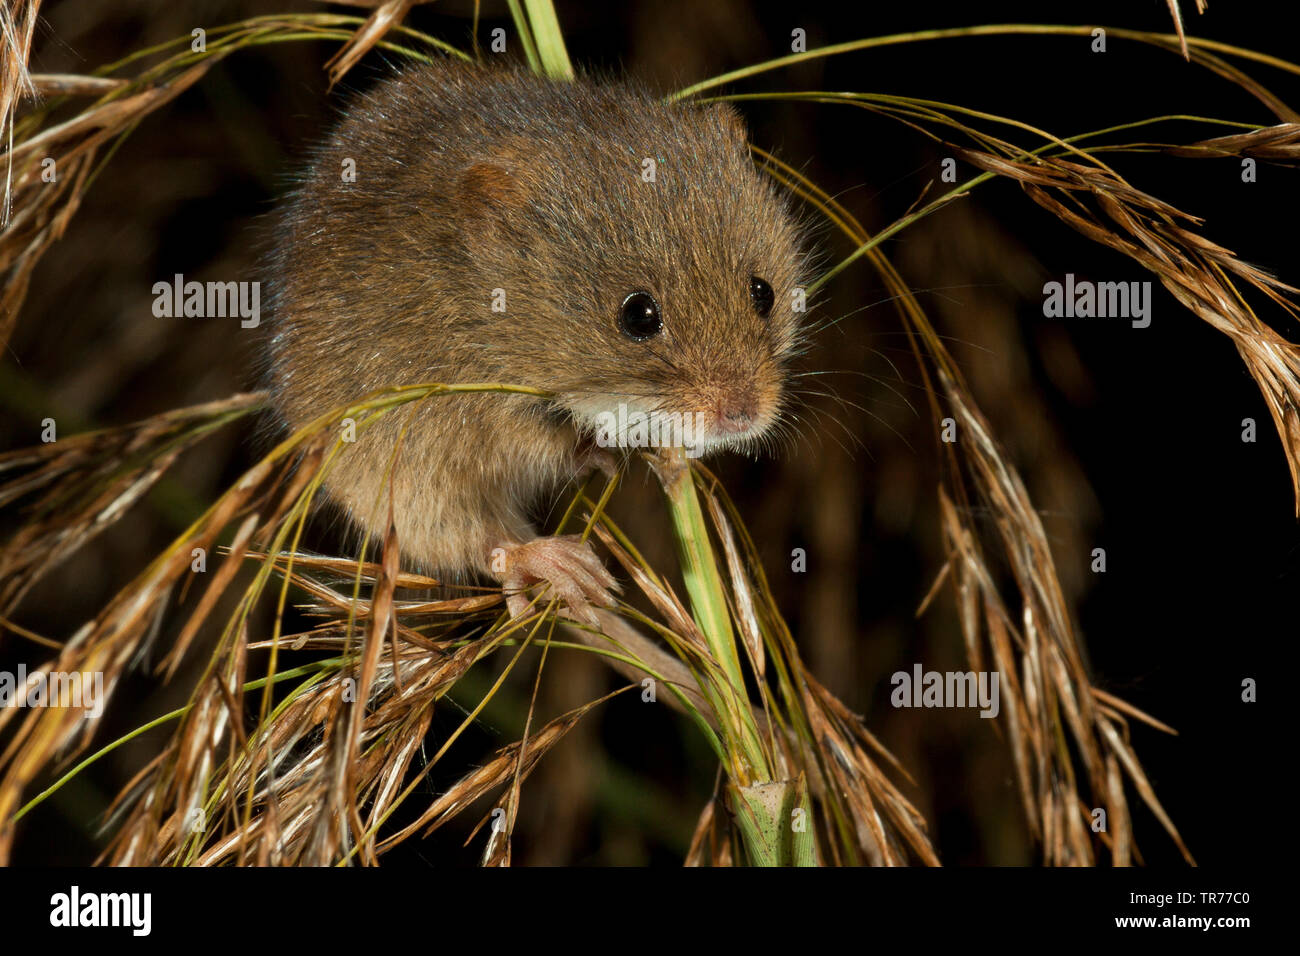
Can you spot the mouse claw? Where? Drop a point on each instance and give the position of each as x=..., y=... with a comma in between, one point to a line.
x=568, y=567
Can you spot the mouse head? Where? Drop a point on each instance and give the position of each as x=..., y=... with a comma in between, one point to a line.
x=659, y=275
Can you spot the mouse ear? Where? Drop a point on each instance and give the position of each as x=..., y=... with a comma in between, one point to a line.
x=491, y=185
x=497, y=183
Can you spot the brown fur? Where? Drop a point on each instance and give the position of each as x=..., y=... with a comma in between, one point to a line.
x=470, y=180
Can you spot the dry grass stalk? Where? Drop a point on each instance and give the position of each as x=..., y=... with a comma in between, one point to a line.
x=87, y=481
x=1280, y=142
x=1051, y=689
x=1197, y=272
x=1047, y=689
x=42, y=208
x=1176, y=12
x=37, y=210
x=863, y=816
x=260, y=794
x=318, y=775
x=386, y=15
x=1045, y=686
x=17, y=28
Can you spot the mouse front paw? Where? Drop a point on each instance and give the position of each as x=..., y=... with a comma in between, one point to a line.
x=591, y=457
x=567, y=569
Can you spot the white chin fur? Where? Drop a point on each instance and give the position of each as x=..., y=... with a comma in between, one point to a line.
x=617, y=422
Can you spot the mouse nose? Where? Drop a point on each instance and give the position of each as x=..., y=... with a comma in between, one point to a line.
x=735, y=414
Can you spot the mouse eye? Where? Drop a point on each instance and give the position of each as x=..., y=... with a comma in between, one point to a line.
x=638, y=318
x=761, y=294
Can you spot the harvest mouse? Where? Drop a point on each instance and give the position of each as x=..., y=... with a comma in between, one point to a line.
x=583, y=238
